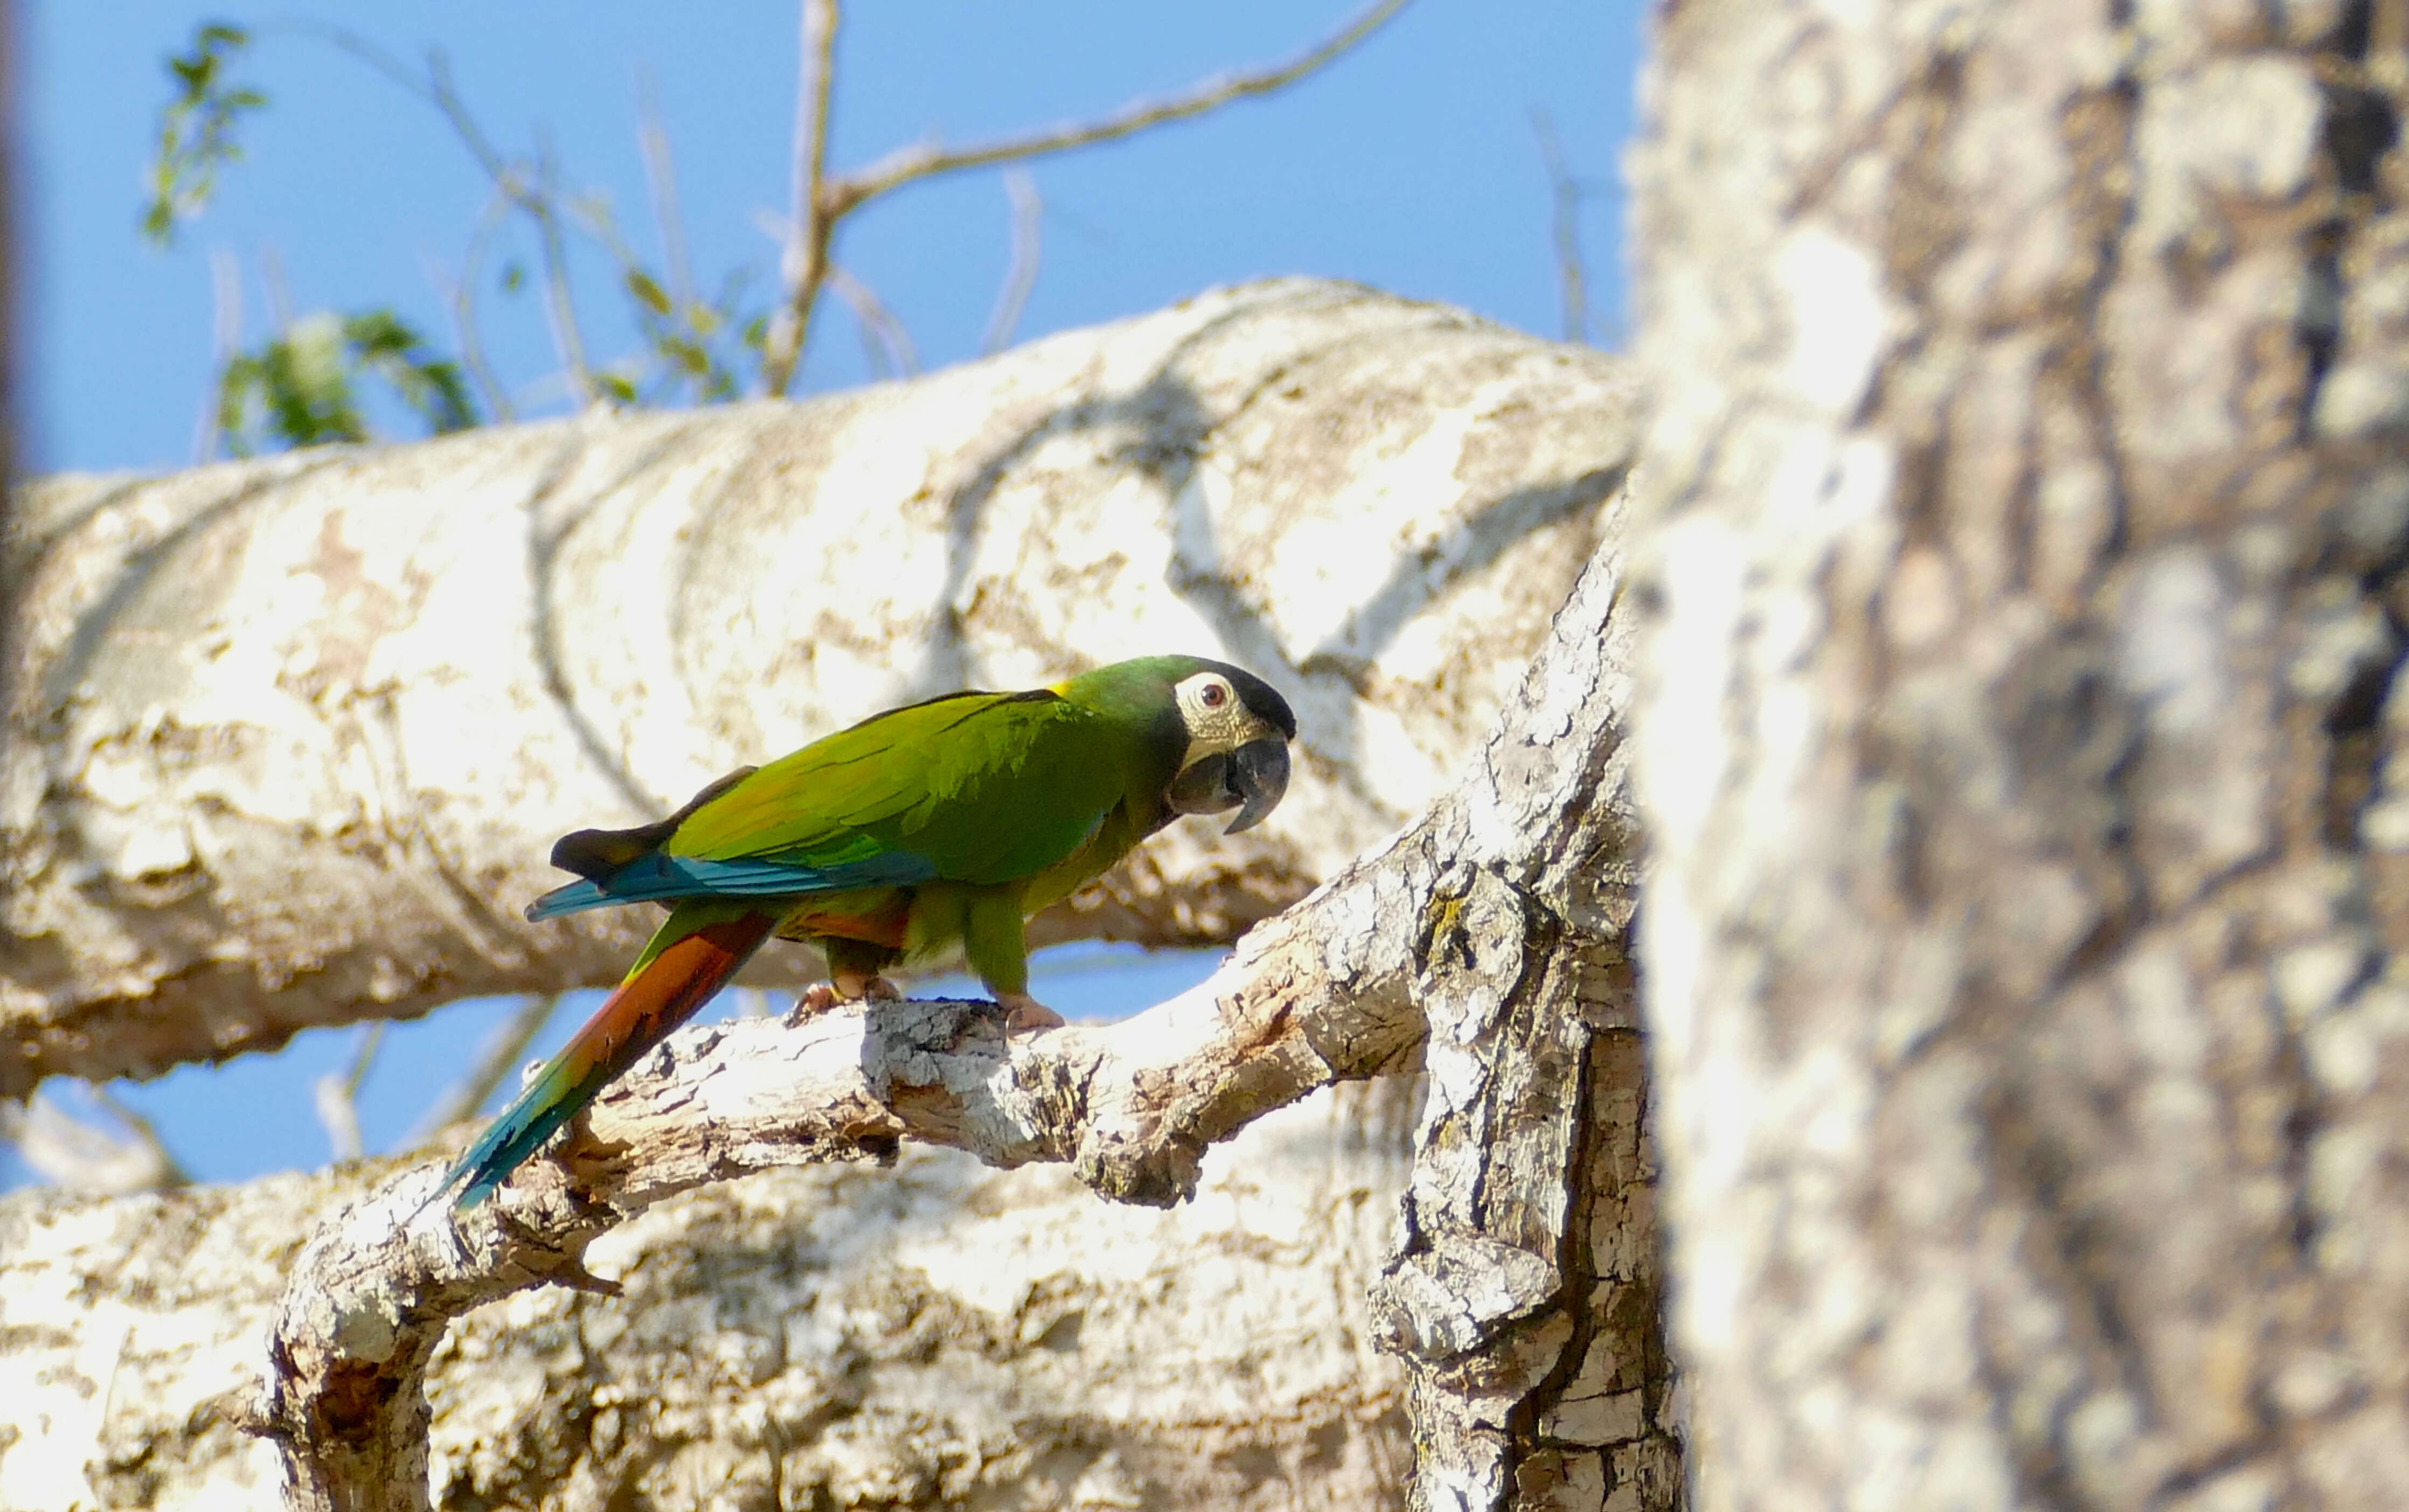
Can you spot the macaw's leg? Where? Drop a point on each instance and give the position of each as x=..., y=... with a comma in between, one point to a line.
x=854, y=974
x=995, y=938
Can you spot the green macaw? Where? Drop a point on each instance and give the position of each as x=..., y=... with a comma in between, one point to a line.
x=945, y=822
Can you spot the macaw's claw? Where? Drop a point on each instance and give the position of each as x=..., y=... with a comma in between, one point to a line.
x=822, y=996
x=1023, y=1012
x=811, y=1002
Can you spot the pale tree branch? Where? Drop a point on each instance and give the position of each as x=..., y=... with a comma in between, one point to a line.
x=811, y=223
x=821, y=201
x=508, y=583
x=1495, y=921
x=1020, y=277
x=929, y=159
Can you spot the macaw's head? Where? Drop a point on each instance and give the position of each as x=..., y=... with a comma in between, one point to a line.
x=1238, y=730
x=1235, y=728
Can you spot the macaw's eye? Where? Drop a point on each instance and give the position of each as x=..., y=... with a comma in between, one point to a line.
x=1215, y=695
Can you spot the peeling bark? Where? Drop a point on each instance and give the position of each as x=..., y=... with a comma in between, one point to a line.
x=290, y=740
x=2026, y=515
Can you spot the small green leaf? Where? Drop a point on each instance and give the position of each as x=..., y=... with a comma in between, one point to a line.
x=647, y=292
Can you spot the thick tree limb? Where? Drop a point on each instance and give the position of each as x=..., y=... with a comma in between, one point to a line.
x=1130, y=1108
x=291, y=738
x=930, y=1332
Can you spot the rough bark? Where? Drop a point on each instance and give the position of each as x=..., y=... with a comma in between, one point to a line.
x=290, y=738
x=927, y=1334
x=2022, y=748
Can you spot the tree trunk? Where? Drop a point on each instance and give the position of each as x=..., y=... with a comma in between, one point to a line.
x=2026, y=510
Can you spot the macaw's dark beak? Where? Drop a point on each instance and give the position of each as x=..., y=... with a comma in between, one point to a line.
x=1258, y=778
x=1251, y=780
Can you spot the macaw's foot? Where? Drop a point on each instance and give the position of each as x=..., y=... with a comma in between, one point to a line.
x=822, y=996
x=872, y=988
x=1023, y=1012
x=812, y=1001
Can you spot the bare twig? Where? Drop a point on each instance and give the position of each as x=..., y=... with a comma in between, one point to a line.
x=1027, y=213
x=810, y=224
x=559, y=304
x=1568, y=194
x=81, y=1156
x=821, y=202
x=884, y=339
x=660, y=178
x=929, y=159
x=279, y=294
x=225, y=339
x=464, y=308
x=337, y=1095
x=536, y=196
x=504, y=1048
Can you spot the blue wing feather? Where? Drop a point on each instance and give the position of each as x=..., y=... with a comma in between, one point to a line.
x=657, y=877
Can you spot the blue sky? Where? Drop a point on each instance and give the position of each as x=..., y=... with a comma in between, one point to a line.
x=1410, y=165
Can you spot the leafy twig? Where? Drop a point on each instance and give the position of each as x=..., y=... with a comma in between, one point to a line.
x=196, y=129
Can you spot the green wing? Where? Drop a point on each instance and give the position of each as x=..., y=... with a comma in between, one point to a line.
x=984, y=788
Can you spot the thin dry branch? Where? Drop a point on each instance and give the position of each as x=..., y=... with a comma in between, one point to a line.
x=538, y=197
x=660, y=179
x=82, y=1157
x=822, y=201
x=884, y=339
x=503, y=1050
x=1565, y=194
x=337, y=1095
x=810, y=224
x=1306, y=1002
x=929, y=159
x=463, y=310
x=1020, y=277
